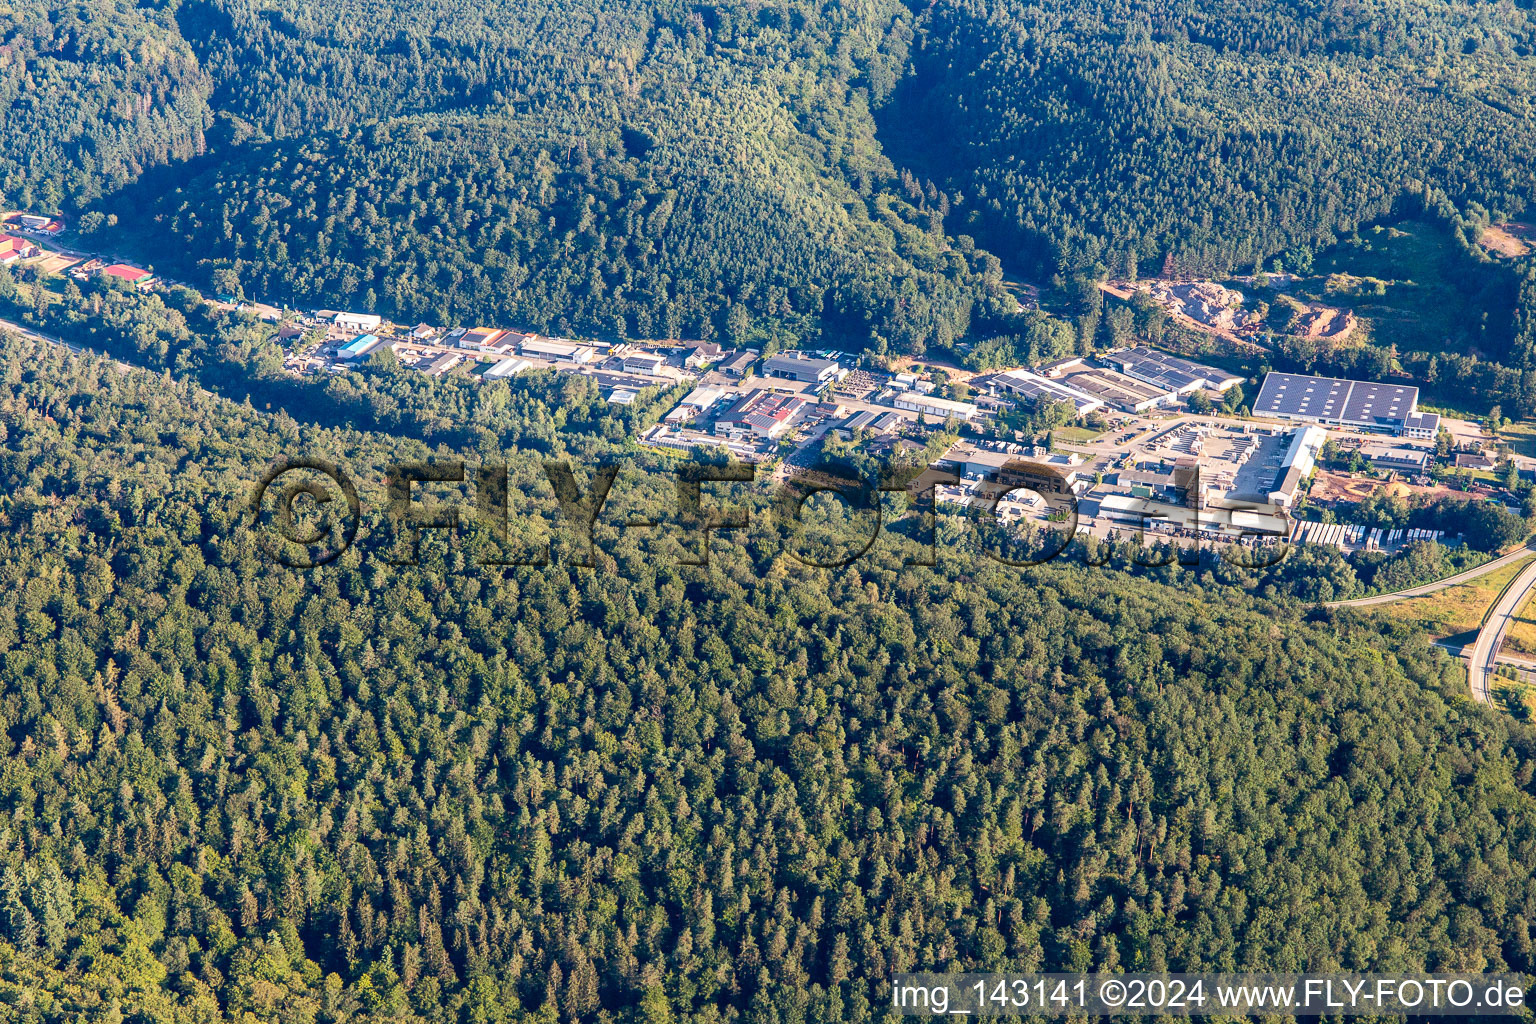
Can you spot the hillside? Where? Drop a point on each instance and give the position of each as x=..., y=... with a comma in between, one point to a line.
x=806, y=173
x=478, y=219
x=93, y=93
x=645, y=792
x=1221, y=134
x=630, y=790
x=614, y=169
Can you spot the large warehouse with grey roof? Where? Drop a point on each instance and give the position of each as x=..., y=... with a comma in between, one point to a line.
x=1170, y=373
x=1364, y=405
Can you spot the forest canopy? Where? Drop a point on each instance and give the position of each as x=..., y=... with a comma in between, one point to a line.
x=1121, y=135
x=748, y=791
x=806, y=172
x=93, y=93
x=646, y=792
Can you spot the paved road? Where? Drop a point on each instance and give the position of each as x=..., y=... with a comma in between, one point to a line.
x=27, y=332
x=1483, y=655
x=1449, y=581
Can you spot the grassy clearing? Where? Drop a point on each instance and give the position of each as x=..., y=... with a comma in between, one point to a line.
x=1076, y=435
x=1521, y=437
x=1515, y=696
x=1521, y=638
x=1455, y=613
x=1417, y=290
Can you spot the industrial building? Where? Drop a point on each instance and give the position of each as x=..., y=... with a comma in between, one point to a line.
x=1053, y=474
x=1363, y=405
x=1162, y=480
x=1142, y=514
x=1169, y=373
x=1030, y=385
x=136, y=276
x=801, y=367
x=362, y=323
x=556, y=351
x=482, y=338
x=695, y=404
x=1422, y=425
x=763, y=413
x=647, y=363
x=1115, y=389
x=358, y=347
x=506, y=368
x=738, y=364
x=1296, y=468
x=1396, y=458
x=867, y=420
x=939, y=408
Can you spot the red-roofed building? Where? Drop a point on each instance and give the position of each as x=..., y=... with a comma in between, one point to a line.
x=764, y=413
x=136, y=276
x=13, y=249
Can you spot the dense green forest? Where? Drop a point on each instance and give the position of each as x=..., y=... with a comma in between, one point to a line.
x=750, y=790
x=773, y=174
x=93, y=93
x=651, y=792
x=440, y=219
x=652, y=170
x=1120, y=135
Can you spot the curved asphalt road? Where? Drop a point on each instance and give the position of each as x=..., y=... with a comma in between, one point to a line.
x=1450, y=581
x=1484, y=652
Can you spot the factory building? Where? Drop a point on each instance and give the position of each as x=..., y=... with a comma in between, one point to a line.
x=1296, y=467
x=1170, y=373
x=766, y=414
x=1030, y=385
x=1396, y=458
x=647, y=363
x=1363, y=405
x=938, y=408
x=509, y=367
x=360, y=322
x=556, y=351
x=362, y=345
x=801, y=367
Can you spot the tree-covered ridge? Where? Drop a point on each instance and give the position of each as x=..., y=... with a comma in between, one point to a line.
x=717, y=170
x=1406, y=28
x=93, y=93
x=647, y=792
x=615, y=169
x=296, y=66
x=738, y=237
x=584, y=63
x=1109, y=137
